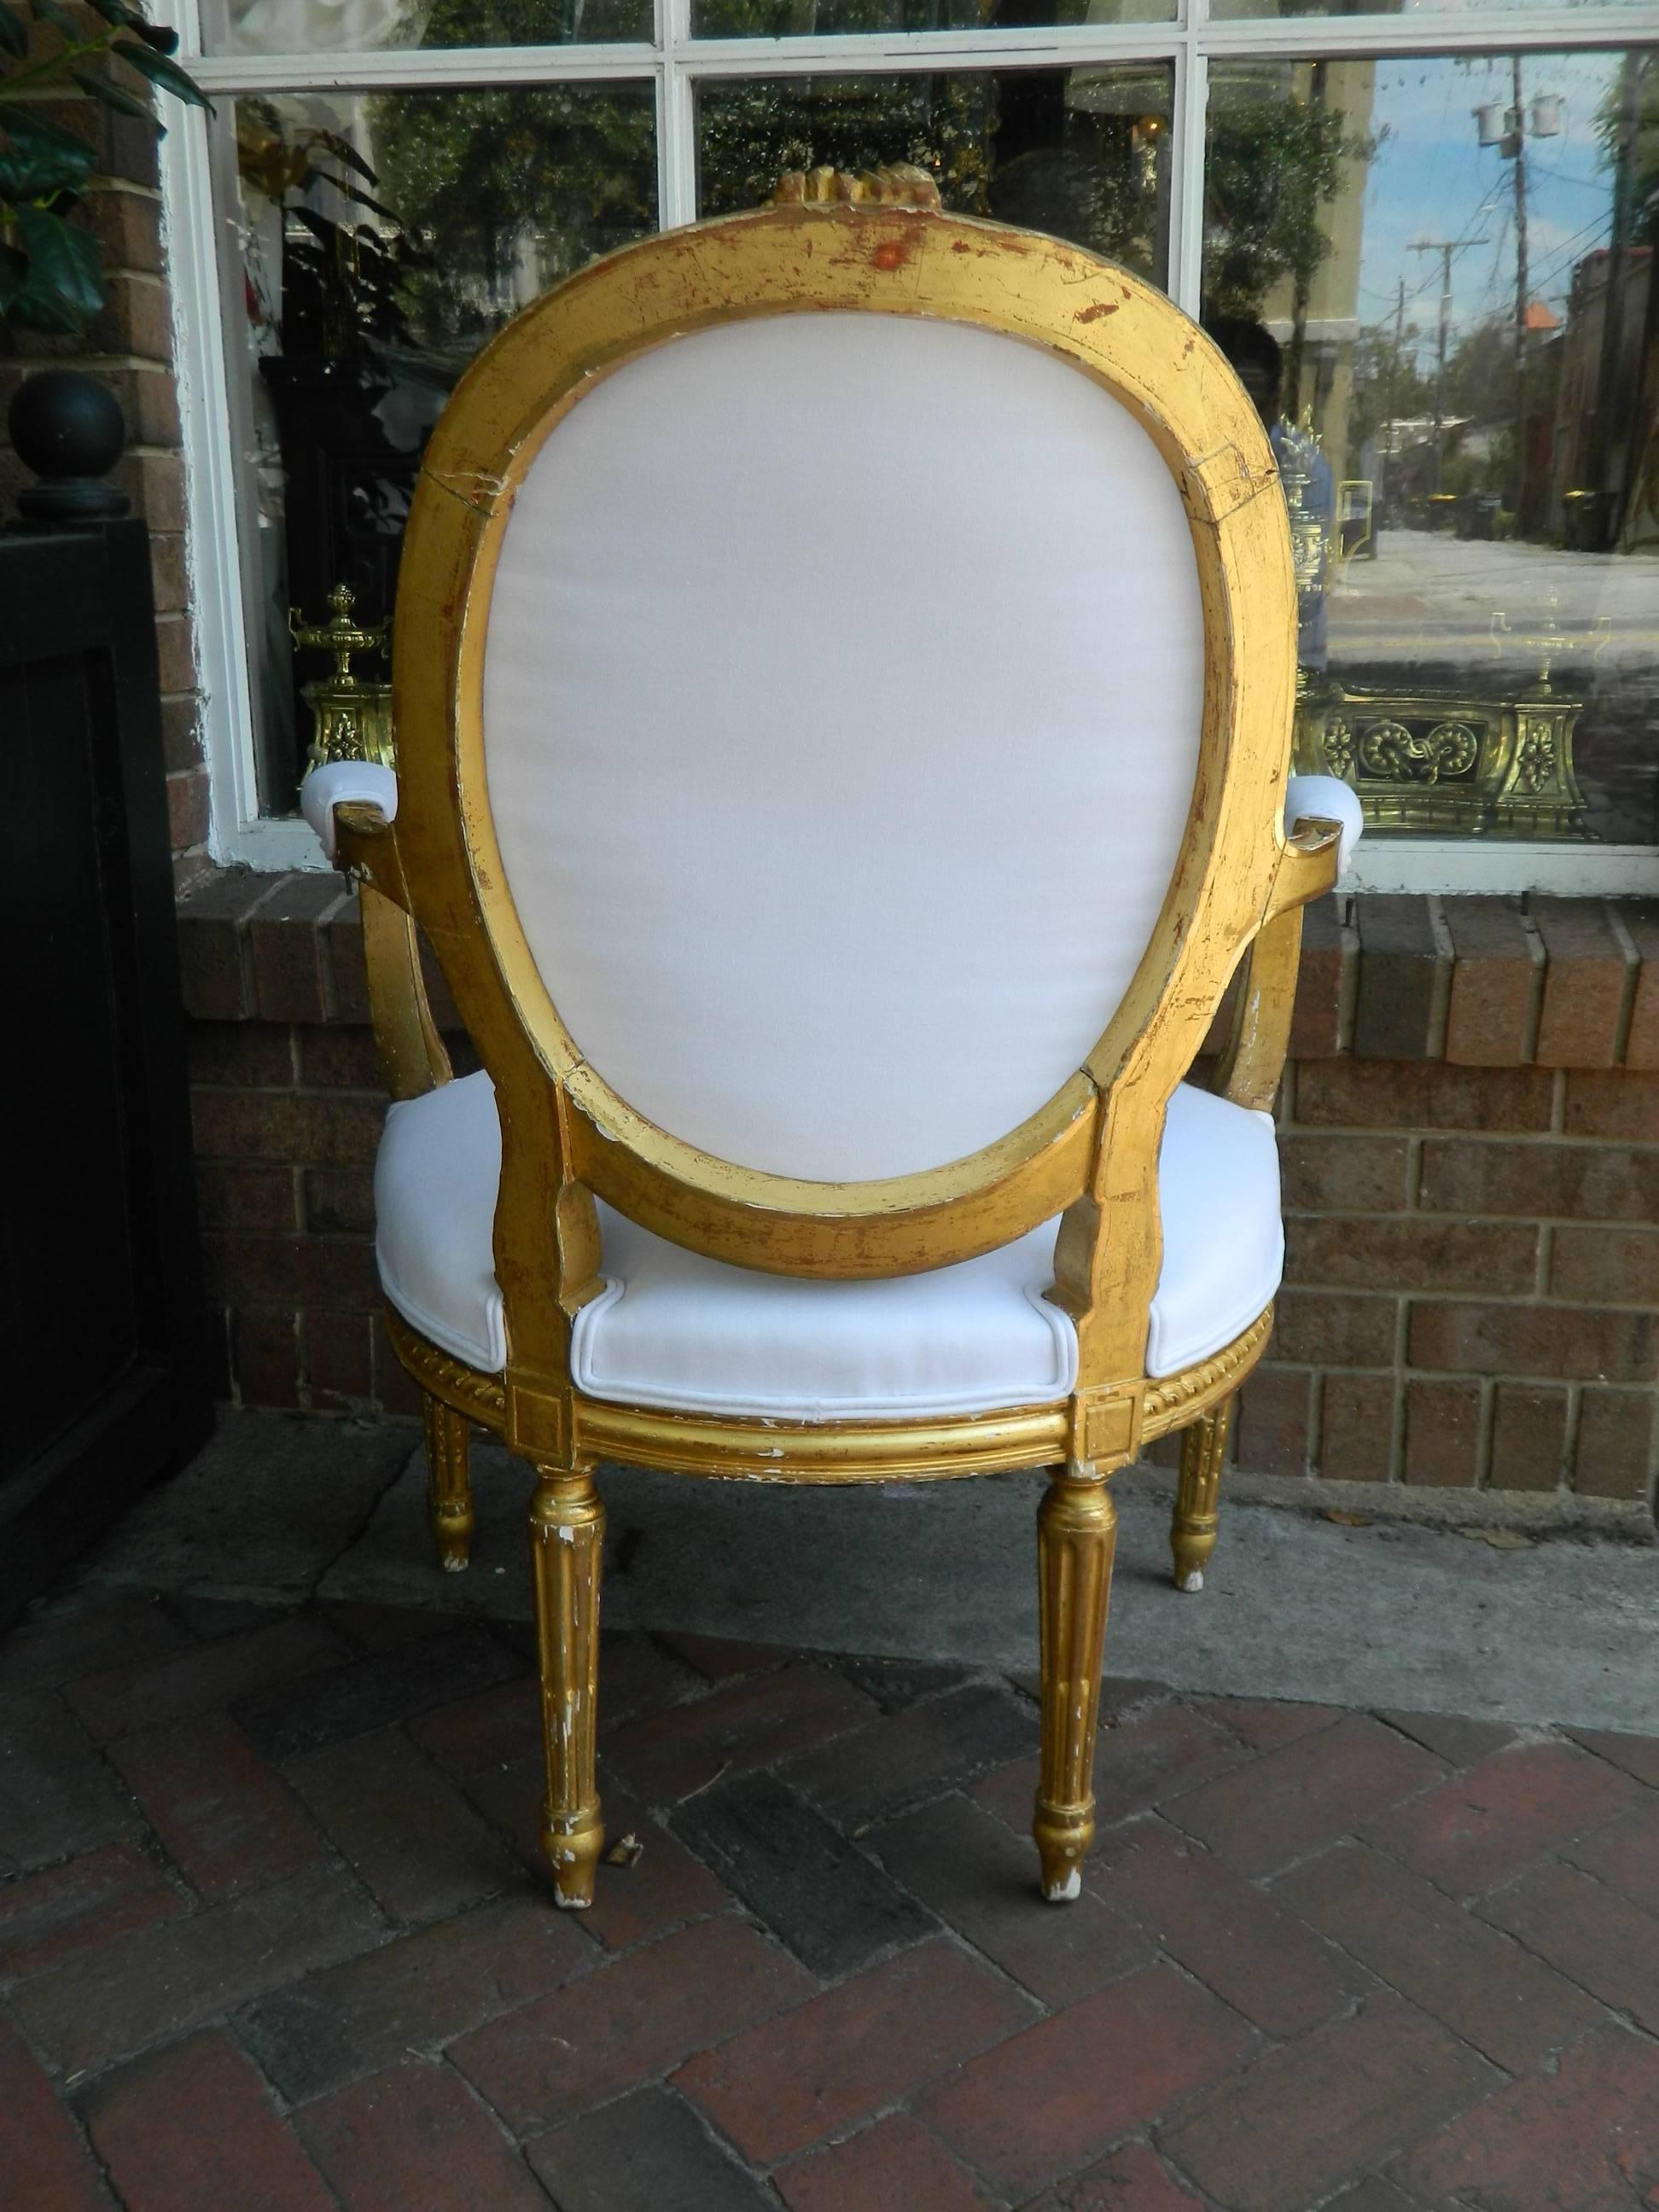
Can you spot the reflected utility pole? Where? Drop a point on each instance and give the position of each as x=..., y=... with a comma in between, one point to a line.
x=1509, y=130
x=1445, y=247
x=1609, y=414
x=1519, y=306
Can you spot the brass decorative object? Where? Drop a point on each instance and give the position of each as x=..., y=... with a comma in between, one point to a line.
x=1454, y=762
x=900, y=184
x=1091, y=1154
x=352, y=717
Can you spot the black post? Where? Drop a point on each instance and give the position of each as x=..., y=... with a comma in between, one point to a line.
x=102, y=1263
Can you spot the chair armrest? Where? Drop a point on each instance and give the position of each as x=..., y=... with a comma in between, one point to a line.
x=413, y=1060
x=1252, y=1059
x=352, y=805
x=1324, y=822
x=1326, y=799
x=340, y=783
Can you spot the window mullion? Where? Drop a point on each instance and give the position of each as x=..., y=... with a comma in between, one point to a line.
x=416, y=69
x=676, y=122
x=879, y=52
x=1192, y=91
x=198, y=285
x=1314, y=37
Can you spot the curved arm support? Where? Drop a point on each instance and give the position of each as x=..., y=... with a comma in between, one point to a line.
x=1326, y=799
x=353, y=807
x=1253, y=1059
x=1325, y=823
x=412, y=1055
x=346, y=783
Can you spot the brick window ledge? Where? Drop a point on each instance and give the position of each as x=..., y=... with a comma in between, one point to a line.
x=1470, y=1150
x=1476, y=982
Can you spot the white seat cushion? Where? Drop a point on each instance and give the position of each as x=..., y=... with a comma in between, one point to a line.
x=674, y=1330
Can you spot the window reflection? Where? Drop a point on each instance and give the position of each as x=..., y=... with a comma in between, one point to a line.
x=1270, y=10
x=1437, y=275
x=794, y=19
x=1082, y=153
x=383, y=238
x=317, y=26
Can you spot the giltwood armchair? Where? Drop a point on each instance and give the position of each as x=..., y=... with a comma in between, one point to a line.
x=844, y=668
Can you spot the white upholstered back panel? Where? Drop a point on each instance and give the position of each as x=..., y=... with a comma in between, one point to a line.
x=842, y=703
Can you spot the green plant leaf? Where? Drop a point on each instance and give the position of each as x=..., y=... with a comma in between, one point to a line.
x=29, y=126
x=351, y=192
x=160, y=70
x=345, y=153
x=13, y=37
x=48, y=11
x=13, y=275
x=157, y=37
x=40, y=159
x=64, y=289
x=117, y=12
x=111, y=95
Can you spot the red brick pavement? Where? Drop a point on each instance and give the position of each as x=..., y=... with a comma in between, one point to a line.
x=272, y=1938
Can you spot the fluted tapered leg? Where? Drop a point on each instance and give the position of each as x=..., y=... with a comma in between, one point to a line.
x=1194, y=1526
x=1077, y=1534
x=448, y=1482
x=567, y=1534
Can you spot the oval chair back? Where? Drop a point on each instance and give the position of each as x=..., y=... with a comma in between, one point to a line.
x=843, y=682
x=843, y=689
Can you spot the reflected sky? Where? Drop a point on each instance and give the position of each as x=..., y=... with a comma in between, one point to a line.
x=1430, y=179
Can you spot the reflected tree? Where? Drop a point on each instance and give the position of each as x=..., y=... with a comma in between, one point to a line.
x=1274, y=162
x=508, y=189
x=751, y=130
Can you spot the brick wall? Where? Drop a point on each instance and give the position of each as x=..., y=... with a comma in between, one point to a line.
x=129, y=346
x=1471, y=1155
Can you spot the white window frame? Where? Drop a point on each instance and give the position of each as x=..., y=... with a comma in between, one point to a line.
x=201, y=257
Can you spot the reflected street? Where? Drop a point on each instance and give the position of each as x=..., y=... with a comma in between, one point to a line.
x=1425, y=597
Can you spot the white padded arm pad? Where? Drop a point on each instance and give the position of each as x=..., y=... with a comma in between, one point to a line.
x=1326, y=799
x=341, y=782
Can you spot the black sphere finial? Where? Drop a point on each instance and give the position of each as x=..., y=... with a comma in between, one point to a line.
x=68, y=427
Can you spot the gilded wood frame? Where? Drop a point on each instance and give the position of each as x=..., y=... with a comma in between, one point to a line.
x=1093, y=1148
x=1089, y=1154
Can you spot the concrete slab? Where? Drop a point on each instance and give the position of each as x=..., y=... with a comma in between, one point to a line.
x=1564, y=1632
x=261, y=1512
x=1391, y=1616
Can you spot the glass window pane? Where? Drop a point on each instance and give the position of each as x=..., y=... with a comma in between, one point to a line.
x=320, y=27
x=1081, y=152
x=1436, y=276
x=1272, y=10
x=382, y=239
x=817, y=18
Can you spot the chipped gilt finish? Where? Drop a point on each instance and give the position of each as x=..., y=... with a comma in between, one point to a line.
x=1236, y=896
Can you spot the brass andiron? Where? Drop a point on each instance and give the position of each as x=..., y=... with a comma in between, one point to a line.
x=1454, y=761
x=353, y=717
